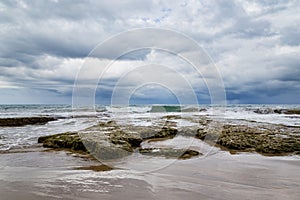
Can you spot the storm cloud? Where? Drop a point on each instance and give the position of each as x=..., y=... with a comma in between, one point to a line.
x=255, y=44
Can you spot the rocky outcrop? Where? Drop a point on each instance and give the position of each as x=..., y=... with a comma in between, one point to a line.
x=69, y=140
x=277, y=111
x=107, y=141
x=275, y=141
x=292, y=112
x=22, y=121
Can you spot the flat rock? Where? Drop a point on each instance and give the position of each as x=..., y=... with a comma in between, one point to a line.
x=275, y=140
x=22, y=121
x=169, y=152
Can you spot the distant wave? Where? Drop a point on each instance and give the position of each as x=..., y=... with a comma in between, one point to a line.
x=176, y=108
x=154, y=108
x=165, y=109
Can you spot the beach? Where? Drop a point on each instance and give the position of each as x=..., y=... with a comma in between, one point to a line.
x=50, y=175
x=154, y=100
x=29, y=170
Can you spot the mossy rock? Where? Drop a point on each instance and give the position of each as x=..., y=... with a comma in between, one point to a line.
x=244, y=138
x=111, y=152
x=69, y=140
x=122, y=137
x=165, y=132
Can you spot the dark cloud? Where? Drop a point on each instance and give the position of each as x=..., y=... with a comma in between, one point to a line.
x=254, y=42
x=291, y=35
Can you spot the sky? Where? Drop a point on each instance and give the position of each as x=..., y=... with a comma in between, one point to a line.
x=254, y=45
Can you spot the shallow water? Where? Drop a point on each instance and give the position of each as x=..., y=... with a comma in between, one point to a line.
x=50, y=175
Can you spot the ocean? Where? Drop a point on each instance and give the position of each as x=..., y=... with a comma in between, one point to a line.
x=77, y=119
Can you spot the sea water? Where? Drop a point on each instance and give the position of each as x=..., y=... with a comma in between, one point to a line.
x=74, y=120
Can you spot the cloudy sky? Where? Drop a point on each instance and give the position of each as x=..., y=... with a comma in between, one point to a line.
x=255, y=45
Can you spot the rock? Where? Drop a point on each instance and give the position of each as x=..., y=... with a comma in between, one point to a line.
x=96, y=168
x=69, y=140
x=101, y=149
x=204, y=134
x=169, y=152
x=108, y=151
x=162, y=133
x=22, y=121
x=244, y=138
x=278, y=111
x=264, y=111
x=187, y=154
x=104, y=141
x=120, y=137
x=107, y=141
x=279, y=146
x=292, y=112
x=287, y=111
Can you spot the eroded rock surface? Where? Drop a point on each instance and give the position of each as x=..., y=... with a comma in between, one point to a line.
x=266, y=140
x=110, y=140
x=107, y=140
x=69, y=140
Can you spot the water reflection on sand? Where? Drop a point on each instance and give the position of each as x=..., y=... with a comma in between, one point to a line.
x=50, y=175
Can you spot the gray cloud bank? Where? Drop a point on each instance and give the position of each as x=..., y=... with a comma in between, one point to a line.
x=254, y=43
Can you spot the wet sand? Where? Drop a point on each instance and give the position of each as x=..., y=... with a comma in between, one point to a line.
x=51, y=175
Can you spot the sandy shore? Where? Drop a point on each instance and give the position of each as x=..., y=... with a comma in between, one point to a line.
x=51, y=175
